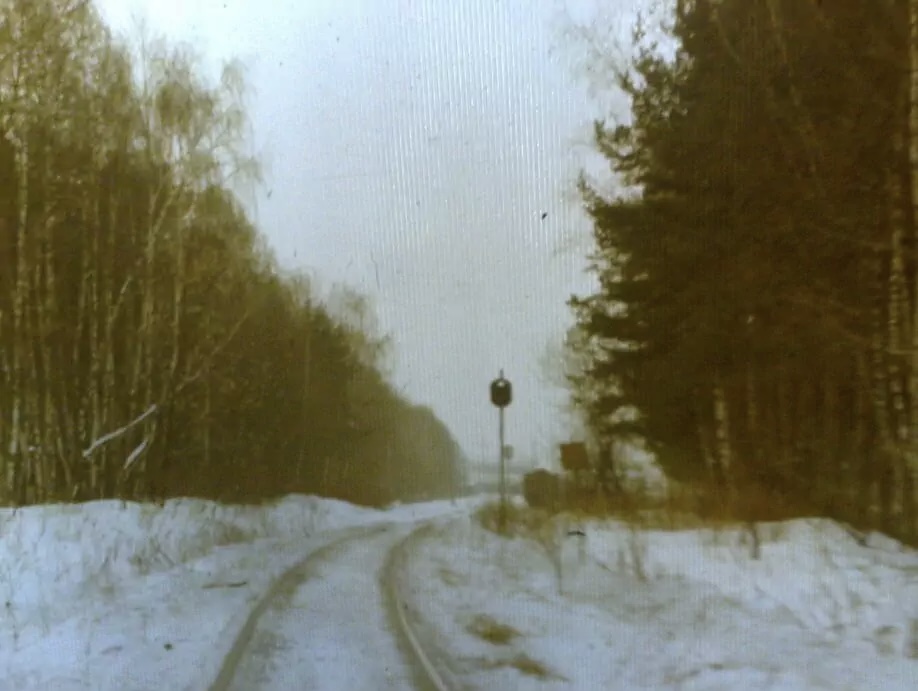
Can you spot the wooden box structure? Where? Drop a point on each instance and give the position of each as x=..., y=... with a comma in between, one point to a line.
x=574, y=457
x=575, y=461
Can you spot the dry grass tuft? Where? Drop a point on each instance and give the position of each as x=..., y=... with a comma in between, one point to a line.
x=526, y=665
x=522, y=521
x=530, y=667
x=451, y=578
x=492, y=631
x=687, y=507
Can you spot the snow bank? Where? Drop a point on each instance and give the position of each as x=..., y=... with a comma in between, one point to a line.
x=53, y=552
x=128, y=596
x=625, y=609
x=824, y=575
x=57, y=551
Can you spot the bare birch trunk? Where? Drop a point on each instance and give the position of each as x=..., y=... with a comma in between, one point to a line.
x=898, y=324
x=877, y=495
x=80, y=336
x=58, y=438
x=5, y=387
x=828, y=472
x=44, y=315
x=722, y=443
x=95, y=350
x=707, y=453
x=784, y=424
x=722, y=429
x=307, y=371
x=20, y=340
x=752, y=404
x=207, y=423
x=113, y=302
x=61, y=437
x=167, y=394
x=912, y=462
x=141, y=394
x=860, y=486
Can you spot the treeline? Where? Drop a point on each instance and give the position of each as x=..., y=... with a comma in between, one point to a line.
x=149, y=345
x=757, y=317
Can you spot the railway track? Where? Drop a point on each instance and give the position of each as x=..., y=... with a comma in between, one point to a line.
x=302, y=627
x=429, y=677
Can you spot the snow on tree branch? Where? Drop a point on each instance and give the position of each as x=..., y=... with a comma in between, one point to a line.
x=135, y=454
x=101, y=441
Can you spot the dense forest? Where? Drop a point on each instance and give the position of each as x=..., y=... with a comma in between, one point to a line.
x=756, y=321
x=150, y=346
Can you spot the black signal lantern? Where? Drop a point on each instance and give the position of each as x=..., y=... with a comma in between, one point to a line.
x=501, y=391
x=501, y=396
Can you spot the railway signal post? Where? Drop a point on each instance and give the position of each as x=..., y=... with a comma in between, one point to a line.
x=501, y=397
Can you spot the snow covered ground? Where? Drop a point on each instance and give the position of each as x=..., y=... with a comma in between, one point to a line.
x=616, y=609
x=108, y=595
x=333, y=629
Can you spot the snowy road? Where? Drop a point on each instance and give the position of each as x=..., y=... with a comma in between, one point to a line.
x=328, y=623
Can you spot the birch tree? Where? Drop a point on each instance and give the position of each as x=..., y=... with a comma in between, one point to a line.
x=912, y=468
x=147, y=335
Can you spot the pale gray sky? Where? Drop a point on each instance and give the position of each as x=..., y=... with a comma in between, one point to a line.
x=411, y=148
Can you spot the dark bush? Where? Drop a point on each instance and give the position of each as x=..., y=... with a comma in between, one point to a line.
x=542, y=490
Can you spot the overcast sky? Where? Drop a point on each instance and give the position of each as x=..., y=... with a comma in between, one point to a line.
x=411, y=150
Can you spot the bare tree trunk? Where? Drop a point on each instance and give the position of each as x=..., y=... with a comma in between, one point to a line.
x=95, y=350
x=828, y=473
x=752, y=404
x=877, y=495
x=167, y=394
x=141, y=389
x=784, y=424
x=912, y=462
x=307, y=383
x=45, y=313
x=114, y=304
x=6, y=386
x=80, y=337
x=898, y=322
x=17, y=443
x=722, y=431
x=207, y=422
x=861, y=480
x=62, y=437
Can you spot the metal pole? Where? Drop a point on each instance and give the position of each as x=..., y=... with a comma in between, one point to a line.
x=502, y=482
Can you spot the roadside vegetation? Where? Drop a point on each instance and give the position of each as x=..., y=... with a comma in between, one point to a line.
x=754, y=323
x=150, y=344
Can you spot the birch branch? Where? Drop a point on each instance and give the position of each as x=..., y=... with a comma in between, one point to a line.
x=113, y=313
x=208, y=360
x=101, y=441
x=135, y=454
